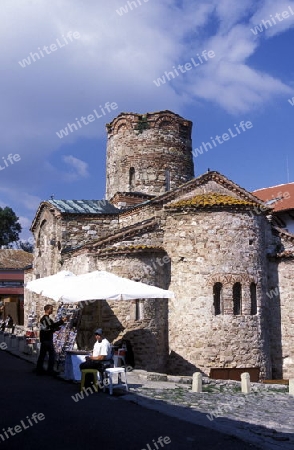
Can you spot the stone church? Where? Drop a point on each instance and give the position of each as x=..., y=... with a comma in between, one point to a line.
x=219, y=248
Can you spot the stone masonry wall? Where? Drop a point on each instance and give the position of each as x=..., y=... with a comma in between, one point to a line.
x=138, y=215
x=53, y=234
x=56, y=233
x=148, y=153
x=286, y=301
x=213, y=247
x=47, y=254
x=78, y=230
x=279, y=299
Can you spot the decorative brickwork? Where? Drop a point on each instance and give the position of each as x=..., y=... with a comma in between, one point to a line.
x=148, y=153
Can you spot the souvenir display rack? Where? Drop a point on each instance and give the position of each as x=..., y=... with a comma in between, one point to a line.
x=32, y=332
x=64, y=339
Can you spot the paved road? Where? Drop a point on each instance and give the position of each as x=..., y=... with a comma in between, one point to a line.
x=99, y=421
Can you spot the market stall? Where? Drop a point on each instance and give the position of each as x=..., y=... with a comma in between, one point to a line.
x=75, y=291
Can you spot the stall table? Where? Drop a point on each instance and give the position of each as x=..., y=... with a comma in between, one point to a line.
x=73, y=360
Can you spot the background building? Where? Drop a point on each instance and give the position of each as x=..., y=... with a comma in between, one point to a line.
x=12, y=266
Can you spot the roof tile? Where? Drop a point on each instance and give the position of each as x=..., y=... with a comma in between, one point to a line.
x=212, y=199
x=15, y=259
x=280, y=197
x=84, y=206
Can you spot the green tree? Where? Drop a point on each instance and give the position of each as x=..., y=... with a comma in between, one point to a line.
x=9, y=226
x=26, y=246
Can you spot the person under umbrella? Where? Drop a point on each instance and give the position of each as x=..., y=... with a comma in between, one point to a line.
x=101, y=357
x=47, y=328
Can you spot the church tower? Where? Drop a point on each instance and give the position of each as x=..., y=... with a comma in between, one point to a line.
x=148, y=153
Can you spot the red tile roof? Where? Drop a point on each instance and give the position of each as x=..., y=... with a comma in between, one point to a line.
x=281, y=197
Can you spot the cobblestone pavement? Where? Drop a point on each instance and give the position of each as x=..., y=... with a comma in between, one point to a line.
x=265, y=417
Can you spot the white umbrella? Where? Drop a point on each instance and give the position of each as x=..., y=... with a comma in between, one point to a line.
x=52, y=285
x=97, y=285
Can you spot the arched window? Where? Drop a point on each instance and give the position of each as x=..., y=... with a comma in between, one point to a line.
x=166, y=125
x=253, y=309
x=139, y=310
x=217, y=298
x=132, y=178
x=167, y=179
x=237, y=299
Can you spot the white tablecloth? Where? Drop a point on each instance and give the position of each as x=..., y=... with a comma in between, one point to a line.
x=72, y=367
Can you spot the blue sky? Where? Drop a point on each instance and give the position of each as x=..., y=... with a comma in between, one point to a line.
x=101, y=53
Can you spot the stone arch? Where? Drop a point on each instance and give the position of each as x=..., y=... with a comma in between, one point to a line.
x=166, y=123
x=219, y=278
x=122, y=125
x=246, y=278
x=41, y=228
x=230, y=279
x=228, y=282
x=41, y=236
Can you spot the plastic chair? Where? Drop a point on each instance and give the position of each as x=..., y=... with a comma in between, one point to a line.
x=119, y=358
x=116, y=370
x=94, y=372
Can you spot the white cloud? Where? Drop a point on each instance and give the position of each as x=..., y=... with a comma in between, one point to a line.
x=116, y=59
x=231, y=12
x=79, y=168
x=275, y=25
x=228, y=80
x=25, y=221
x=20, y=198
x=116, y=56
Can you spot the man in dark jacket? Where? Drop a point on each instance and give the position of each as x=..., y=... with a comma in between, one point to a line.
x=47, y=328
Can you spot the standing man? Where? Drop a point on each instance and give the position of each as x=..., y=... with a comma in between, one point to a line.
x=47, y=328
x=102, y=354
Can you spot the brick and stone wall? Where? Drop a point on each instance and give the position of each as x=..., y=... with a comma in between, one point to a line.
x=285, y=300
x=148, y=153
x=55, y=233
x=280, y=302
x=213, y=247
x=79, y=230
x=47, y=254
